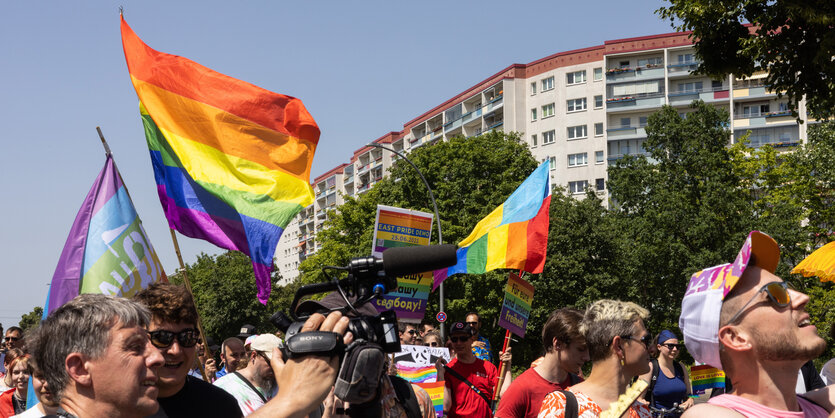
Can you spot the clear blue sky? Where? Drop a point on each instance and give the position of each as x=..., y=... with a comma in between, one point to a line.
x=361, y=68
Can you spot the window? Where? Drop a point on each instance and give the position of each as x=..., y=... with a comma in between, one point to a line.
x=576, y=160
x=623, y=64
x=577, y=132
x=533, y=88
x=600, y=184
x=577, y=77
x=533, y=140
x=533, y=114
x=577, y=187
x=576, y=105
x=685, y=59
x=547, y=111
x=598, y=74
x=553, y=163
x=693, y=87
x=624, y=122
x=548, y=84
x=598, y=157
x=598, y=101
x=642, y=121
x=650, y=62
x=548, y=137
x=598, y=129
x=716, y=84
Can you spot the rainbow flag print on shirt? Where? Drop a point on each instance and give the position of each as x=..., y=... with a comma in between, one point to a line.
x=514, y=235
x=231, y=160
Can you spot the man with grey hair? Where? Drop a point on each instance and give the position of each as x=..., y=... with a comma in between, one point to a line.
x=97, y=358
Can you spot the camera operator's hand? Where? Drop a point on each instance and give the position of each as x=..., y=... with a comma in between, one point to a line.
x=303, y=383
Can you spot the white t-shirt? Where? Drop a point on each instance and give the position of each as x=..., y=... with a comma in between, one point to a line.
x=33, y=412
x=247, y=399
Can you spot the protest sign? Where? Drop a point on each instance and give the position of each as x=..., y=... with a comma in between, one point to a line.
x=396, y=227
x=416, y=363
x=706, y=377
x=516, y=308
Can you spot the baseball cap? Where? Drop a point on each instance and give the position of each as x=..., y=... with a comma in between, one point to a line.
x=702, y=303
x=265, y=344
x=246, y=331
x=461, y=327
x=248, y=342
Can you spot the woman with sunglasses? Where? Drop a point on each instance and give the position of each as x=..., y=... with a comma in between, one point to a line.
x=432, y=339
x=618, y=346
x=669, y=381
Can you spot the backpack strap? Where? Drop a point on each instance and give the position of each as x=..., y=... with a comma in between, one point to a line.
x=458, y=376
x=655, y=371
x=251, y=386
x=571, y=407
x=405, y=396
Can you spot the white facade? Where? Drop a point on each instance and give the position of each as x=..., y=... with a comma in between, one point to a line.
x=581, y=109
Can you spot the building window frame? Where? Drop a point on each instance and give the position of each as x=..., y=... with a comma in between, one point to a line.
x=579, y=104
x=577, y=132
x=598, y=73
x=548, y=110
x=575, y=77
x=549, y=137
x=547, y=84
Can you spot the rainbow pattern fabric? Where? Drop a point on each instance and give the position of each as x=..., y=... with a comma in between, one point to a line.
x=231, y=160
x=514, y=235
x=107, y=250
x=703, y=377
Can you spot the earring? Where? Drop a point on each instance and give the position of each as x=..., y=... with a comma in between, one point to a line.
x=622, y=362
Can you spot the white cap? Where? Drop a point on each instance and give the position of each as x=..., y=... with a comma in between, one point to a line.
x=265, y=344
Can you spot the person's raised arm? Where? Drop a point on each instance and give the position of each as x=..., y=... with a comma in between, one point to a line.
x=304, y=382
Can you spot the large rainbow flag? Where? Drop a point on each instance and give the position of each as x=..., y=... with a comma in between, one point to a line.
x=231, y=160
x=107, y=250
x=514, y=235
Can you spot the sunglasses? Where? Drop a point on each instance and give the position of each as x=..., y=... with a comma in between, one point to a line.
x=163, y=339
x=645, y=340
x=671, y=346
x=411, y=332
x=778, y=294
x=472, y=324
x=12, y=338
x=458, y=339
x=432, y=344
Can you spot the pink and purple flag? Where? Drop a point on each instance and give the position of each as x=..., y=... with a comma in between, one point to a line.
x=107, y=250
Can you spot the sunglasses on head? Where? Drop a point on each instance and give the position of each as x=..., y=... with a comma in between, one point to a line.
x=163, y=339
x=645, y=340
x=458, y=339
x=778, y=294
x=671, y=346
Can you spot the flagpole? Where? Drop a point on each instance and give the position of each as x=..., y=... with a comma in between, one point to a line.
x=507, y=338
x=206, y=348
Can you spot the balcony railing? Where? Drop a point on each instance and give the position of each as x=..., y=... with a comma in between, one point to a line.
x=749, y=115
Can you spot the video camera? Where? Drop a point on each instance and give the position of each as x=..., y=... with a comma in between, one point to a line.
x=362, y=363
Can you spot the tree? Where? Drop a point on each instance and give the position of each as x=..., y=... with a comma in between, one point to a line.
x=680, y=209
x=792, y=40
x=225, y=295
x=31, y=320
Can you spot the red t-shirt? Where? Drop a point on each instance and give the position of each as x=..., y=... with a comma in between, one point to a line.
x=524, y=396
x=465, y=402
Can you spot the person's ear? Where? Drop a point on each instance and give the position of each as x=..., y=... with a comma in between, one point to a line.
x=557, y=344
x=734, y=338
x=77, y=366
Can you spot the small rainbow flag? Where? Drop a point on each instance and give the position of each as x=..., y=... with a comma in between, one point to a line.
x=706, y=377
x=514, y=235
x=231, y=160
x=418, y=374
x=436, y=393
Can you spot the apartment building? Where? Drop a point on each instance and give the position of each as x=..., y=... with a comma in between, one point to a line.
x=581, y=109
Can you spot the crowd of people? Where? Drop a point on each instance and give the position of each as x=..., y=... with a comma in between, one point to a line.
x=103, y=356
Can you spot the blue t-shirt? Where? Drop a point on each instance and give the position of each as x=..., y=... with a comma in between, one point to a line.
x=484, y=353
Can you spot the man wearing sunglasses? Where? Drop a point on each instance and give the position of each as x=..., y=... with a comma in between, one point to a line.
x=469, y=381
x=743, y=319
x=408, y=333
x=14, y=338
x=173, y=331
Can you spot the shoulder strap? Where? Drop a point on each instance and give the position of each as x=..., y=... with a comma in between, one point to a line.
x=458, y=376
x=655, y=371
x=251, y=386
x=406, y=396
x=571, y=408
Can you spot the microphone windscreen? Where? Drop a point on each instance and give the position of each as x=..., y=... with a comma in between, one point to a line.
x=400, y=261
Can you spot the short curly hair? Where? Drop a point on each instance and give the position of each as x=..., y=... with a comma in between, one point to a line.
x=607, y=319
x=168, y=303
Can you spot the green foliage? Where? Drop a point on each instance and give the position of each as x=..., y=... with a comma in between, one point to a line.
x=225, y=294
x=31, y=320
x=794, y=40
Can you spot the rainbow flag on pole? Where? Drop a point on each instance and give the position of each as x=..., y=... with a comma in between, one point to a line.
x=107, y=250
x=513, y=236
x=231, y=160
x=705, y=377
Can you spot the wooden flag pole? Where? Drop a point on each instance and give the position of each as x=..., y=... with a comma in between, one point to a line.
x=206, y=348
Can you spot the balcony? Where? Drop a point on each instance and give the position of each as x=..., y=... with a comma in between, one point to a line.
x=682, y=68
x=709, y=94
x=754, y=92
x=363, y=169
x=635, y=102
x=475, y=115
x=494, y=104
x=618, y=75
x=496, y=125
x=627, y=132
x=349, y=180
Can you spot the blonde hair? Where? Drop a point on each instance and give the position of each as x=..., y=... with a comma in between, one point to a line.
x=607, y=319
